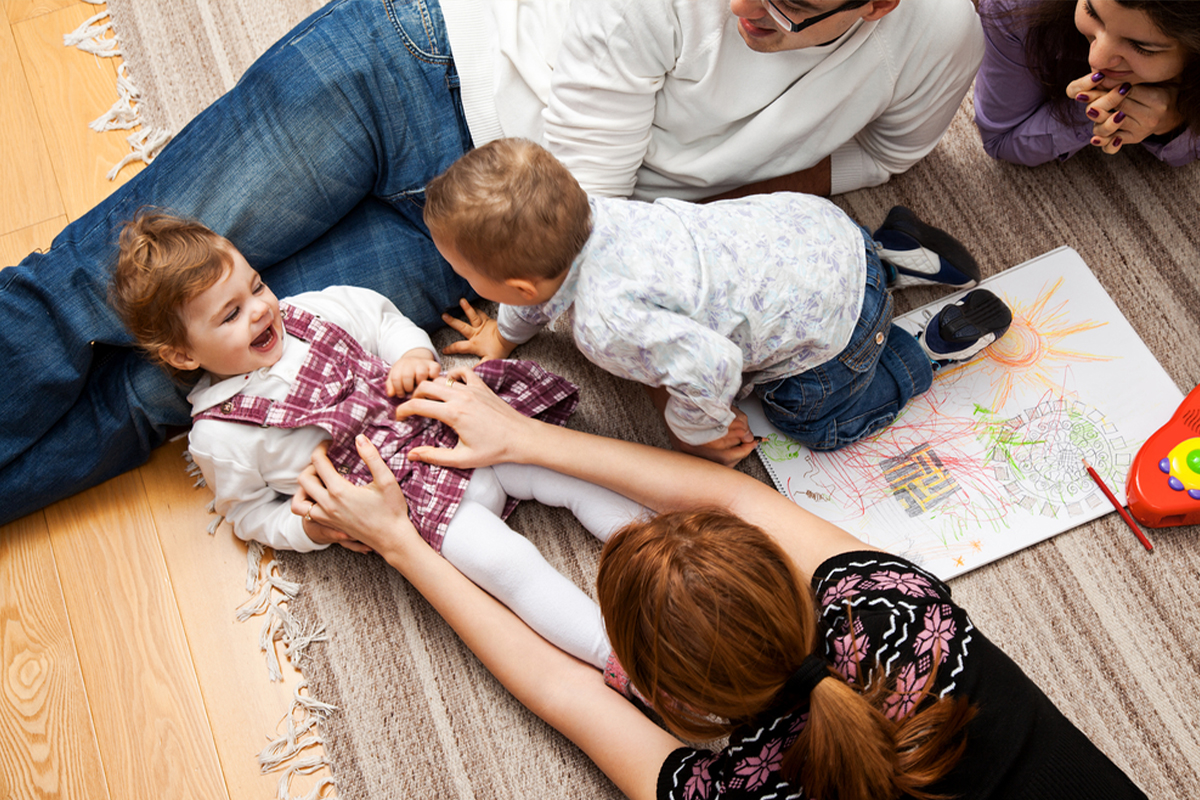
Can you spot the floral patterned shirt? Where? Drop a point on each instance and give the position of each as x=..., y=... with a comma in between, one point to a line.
x=709, y=300
x=902, y=618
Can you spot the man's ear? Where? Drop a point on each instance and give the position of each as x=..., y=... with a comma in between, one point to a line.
x=529, y=289
x=178, y=358
x=880, y=9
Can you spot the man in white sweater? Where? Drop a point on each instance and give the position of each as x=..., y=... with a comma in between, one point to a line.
x=697, y=98
x=315, y=164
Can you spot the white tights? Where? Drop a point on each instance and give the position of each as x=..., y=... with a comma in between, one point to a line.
x=510, y=568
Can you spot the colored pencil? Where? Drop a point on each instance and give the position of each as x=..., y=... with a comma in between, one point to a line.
x=1120, y=509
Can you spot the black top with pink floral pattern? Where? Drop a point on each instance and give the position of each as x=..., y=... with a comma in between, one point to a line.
x=901, y=617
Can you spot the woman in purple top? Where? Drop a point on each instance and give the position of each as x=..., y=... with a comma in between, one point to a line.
x=1057, y=77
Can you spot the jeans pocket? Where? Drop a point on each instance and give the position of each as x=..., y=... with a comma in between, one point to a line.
x=870, y=337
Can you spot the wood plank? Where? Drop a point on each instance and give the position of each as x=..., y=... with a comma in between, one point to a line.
x=208, y=576
x=46, y=731
x=21, y=10
x=24, y=160
x=17, y=244
x=151, y=727
x=71, y=88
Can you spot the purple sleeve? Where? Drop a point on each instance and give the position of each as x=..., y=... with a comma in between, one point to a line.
x=1183, y=149
x=1012, y=112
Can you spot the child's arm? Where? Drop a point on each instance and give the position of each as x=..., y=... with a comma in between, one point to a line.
x=231, y=456
x=737, y=443
x=372, y=319
x=481, y=335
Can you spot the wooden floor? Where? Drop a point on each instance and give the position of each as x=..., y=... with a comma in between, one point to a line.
x=123, y=673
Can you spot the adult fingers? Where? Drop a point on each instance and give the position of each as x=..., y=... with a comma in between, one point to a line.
x=1086, y=89
x=380, y=472
x=1101, y=109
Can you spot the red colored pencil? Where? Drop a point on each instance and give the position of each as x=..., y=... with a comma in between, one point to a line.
x=1120, y=509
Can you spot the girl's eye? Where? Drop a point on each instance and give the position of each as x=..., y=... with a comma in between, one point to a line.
x=232, y=316
x=1091, y=12
x=258, y=287
x=1141, y=51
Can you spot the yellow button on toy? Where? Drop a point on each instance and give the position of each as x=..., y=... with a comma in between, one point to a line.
x=1185, y=462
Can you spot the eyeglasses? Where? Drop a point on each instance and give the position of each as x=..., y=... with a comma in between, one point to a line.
x=795, y=27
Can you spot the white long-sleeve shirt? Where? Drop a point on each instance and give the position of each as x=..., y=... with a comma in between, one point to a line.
x=709, y=300
x=253, y=470
x=662, y=98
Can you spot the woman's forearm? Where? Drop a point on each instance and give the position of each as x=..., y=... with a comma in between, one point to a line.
x=490, y=432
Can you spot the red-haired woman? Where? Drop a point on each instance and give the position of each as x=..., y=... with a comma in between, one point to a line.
x=837, y=670
x=1058, y=77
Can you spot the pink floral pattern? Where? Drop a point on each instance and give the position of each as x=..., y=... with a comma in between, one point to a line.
x=699, y=784
x=939, y=630
x=910, y=583
x=841, y=590
x=909, y=682
x=755, y=769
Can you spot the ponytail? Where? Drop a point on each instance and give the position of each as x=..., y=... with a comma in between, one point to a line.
x=710, y=621
x=850, y=750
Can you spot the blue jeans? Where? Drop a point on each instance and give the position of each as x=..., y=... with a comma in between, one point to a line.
x=861, y=390
x=314, y=166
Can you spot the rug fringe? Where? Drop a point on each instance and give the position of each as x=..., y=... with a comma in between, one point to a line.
x=270, y=593
x=91, y=37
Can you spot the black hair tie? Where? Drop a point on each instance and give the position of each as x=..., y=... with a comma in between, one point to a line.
x=812, y=670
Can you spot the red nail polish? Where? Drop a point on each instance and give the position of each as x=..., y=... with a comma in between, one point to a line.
x=1082, y=98
x=1124, y=89
x=1116, y=142
x=1120, y=115
x=1093, y=113
x=1097, y=77
x=1096, y=140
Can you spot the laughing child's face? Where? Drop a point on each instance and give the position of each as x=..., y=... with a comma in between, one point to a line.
x=233, y=326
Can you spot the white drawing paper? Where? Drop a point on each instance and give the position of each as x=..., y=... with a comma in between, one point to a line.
x=990, y=459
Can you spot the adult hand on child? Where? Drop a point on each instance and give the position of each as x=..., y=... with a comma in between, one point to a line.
x=410, y=370
x=304, y=507
x=1126, y=114
x=373, y=516
x=481, y=335
x=487, y=427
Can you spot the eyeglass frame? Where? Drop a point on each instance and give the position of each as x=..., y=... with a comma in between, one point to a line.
x=776, y=13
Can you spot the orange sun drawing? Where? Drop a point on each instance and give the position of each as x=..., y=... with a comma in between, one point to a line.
x=1033, y=351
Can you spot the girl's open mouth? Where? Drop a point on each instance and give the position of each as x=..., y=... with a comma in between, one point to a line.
x=265, y=340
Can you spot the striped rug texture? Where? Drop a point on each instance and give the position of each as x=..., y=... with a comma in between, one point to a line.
x=1107, y=629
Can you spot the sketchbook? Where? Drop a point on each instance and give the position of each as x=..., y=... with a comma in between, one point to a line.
x=990, y=459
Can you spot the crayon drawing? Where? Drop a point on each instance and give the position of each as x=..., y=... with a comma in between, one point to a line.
x=990, y=459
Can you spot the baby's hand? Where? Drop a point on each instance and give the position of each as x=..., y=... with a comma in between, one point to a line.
x=482, y=335
x=410, y=370
x=737, y=443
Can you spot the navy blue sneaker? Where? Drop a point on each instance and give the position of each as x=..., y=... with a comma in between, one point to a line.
x=917, y=254
x=961, y=330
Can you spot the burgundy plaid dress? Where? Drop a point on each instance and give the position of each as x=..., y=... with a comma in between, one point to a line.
x=342, y=388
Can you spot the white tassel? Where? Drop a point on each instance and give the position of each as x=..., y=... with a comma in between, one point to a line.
x=87, y=37
x=144, y=144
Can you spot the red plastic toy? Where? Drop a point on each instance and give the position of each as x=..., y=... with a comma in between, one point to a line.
x=1163, y=488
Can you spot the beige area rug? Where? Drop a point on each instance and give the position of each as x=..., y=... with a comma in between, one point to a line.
x=1107, y=629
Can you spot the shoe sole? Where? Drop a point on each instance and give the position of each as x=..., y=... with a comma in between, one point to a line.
x=978, y=320
x=913, y=244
